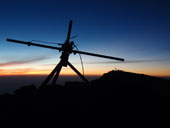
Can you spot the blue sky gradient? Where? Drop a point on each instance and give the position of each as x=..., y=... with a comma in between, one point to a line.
x=135, y=30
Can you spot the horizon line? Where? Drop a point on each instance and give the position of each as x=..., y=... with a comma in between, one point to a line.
x=74, y=75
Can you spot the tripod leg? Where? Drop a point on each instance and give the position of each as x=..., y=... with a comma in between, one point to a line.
x=78, y=73
x=56, y=75
x=51, y=74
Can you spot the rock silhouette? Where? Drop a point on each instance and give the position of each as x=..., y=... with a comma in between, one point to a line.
x=115, y=91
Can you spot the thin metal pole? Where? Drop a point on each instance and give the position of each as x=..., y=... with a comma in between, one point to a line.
x=56, y=75
x=78, y=73
x=51, y=75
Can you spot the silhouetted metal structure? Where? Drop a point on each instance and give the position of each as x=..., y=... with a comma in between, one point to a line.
x=67, y=49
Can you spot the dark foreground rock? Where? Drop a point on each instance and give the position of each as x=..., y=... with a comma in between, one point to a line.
x=116, y=92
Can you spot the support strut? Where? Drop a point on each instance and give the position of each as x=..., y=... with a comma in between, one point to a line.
x=56, y=71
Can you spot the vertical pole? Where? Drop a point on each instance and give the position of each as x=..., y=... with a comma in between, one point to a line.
x=69, y=31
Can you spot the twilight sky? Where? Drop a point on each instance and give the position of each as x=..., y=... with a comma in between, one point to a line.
x=136, y=30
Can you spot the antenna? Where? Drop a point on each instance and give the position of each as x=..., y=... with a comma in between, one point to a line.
x=67, y=48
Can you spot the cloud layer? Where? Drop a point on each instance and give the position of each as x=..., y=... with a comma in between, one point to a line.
x=22, y=61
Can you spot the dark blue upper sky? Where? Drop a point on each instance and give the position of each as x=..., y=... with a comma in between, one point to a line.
x=137, y=30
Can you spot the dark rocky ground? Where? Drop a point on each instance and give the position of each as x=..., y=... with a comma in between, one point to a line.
x=116, y=93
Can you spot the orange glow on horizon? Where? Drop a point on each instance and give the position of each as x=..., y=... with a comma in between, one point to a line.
x=90, y=70
x=20, y=72
x=66, y=72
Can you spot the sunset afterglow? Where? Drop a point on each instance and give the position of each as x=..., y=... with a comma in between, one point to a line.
x=136, y=31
